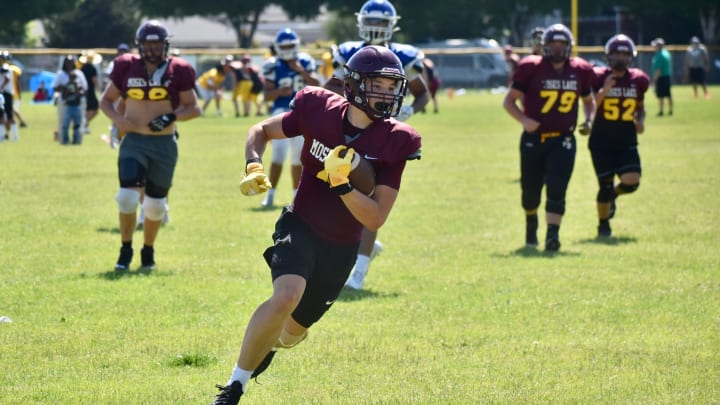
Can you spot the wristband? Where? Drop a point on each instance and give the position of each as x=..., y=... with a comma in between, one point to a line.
x=342, y=189
x=253, y=160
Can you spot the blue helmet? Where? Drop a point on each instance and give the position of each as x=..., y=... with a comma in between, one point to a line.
x=368, y=63
x=287, y=44
x=376, y=21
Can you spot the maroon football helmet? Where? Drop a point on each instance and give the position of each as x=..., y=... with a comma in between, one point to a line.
x=620, y=43
x=152, y=31
x=368, y=63
x=557, y=32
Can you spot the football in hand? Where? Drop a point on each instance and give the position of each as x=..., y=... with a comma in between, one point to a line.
x=362, y=177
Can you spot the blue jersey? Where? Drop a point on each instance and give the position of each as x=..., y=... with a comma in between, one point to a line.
x=278, y=72
x=410, y=57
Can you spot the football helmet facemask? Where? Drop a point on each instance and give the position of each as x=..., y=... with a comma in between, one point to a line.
x=287, y=44
x=557, y=32
x=619, y=44
x=152, y=31
x=376, y=21
x=366, y=65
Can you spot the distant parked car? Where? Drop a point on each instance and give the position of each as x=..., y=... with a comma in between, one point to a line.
x=483, y=65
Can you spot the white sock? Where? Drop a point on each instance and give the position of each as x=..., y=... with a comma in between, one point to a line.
x=2, y=132
x=15, y=133
x=294, y=193
x=362, y=263
x=241, y=375
x=271, y=194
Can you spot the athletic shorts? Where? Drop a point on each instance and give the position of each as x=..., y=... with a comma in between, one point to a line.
x=158, y=154
x=8, y=107
x=697, y=75
x=611, y=161
x=662, y=87
x=92, y=103
x=324, y=265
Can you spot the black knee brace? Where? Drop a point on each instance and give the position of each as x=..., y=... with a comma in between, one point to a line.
x=628, y=188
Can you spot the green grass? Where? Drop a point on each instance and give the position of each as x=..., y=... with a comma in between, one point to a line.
x=455, y=311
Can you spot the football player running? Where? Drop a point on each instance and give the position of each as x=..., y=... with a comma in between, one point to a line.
x=285, y=74
x=377, y=21
x=158, y=90
x=620, y=117
x=548, y=87
x=317, y=237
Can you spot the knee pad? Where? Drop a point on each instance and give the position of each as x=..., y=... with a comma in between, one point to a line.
x=555, y=206
x=606, y=192
x=296, y=145
x=628, y=188
x=279, y=150
x=127, y=200
x=154, y=208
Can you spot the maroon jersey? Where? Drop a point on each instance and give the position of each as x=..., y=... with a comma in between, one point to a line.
x=551, y=97
x=318, y=115
x=615, y=119
x=131, y=78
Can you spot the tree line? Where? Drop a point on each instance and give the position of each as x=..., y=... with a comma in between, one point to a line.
x=101, y=24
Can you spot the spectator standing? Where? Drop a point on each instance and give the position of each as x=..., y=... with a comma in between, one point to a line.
x=697, y=63
x=71, y=86
x=88, y=60
x=661, y=75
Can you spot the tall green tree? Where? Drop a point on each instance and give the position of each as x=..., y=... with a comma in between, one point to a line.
x=13, y=18
x=242, y=16
x=93, y=24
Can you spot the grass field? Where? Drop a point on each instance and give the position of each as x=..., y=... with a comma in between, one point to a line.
x=455, y=311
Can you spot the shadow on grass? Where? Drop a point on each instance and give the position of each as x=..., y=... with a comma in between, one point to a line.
x=116, y=230
x=531, y=252
x=119, y=274
x=108, y=230
x=272, y=208
x=350, y=295
x=612, y=241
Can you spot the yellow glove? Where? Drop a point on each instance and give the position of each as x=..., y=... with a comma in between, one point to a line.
x=337, y=169
x=255, y=181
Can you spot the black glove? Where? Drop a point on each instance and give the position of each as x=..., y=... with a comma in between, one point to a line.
x=161, y=122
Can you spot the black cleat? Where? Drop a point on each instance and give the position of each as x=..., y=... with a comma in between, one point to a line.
x=126, y=255
x=604, y=230
x=264, y=364
x=552, y=241
x=229, y=394
x=552, y=244
x=531, y=240
x=147, y=256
